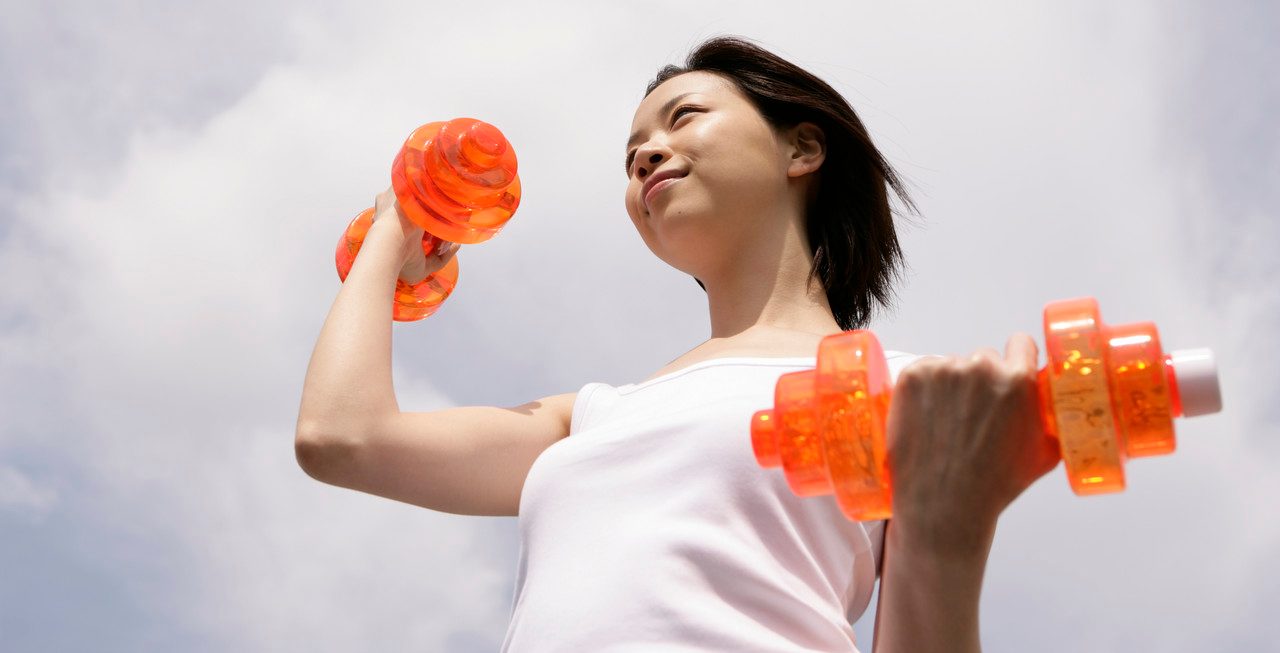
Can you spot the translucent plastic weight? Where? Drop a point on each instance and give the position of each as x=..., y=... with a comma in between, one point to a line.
x=1107, y=393
x=457, y=180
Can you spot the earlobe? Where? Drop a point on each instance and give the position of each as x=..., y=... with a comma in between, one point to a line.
x=810, y=148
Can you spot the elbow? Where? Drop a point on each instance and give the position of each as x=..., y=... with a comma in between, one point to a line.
x=310, y=454
x=320, y=454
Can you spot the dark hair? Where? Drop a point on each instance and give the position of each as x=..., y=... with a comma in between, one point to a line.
x=849, y=223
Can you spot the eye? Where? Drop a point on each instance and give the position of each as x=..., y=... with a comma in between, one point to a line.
x=674, y=117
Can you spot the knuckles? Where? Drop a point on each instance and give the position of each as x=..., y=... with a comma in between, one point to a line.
x=954, y=370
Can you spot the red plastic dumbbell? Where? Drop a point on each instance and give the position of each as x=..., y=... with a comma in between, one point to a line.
x=1108, y=393
x=457, y=180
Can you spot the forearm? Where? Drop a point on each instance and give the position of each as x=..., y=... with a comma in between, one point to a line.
x=929, y=595
x=348, y=383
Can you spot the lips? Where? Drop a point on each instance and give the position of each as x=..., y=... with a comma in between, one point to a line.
x=659, y=181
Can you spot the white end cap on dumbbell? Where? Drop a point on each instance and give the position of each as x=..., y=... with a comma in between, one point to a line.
x=1197, y=376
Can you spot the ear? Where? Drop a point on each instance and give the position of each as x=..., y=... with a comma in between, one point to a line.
x=808, y=149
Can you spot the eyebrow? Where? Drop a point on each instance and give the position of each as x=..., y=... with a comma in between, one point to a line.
x=665, y=108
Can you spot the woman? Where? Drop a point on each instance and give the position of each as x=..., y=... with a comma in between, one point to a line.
x=652, y=525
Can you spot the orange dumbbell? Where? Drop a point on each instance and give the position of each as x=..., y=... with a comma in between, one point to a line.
x=1108, y=394
x=457, y=180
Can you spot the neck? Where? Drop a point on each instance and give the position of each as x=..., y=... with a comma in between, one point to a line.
x=742, y=301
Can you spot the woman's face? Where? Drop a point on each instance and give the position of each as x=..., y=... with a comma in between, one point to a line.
x=731, y=166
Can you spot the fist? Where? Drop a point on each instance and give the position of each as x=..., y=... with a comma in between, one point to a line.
x=965, y=437
x=415, y=264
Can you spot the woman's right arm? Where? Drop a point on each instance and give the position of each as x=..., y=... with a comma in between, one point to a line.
x=468, y=460
x=348, y=384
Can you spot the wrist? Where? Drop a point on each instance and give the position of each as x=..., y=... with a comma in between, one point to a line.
x=387, y=228
x=929, y=595
x=957, y=541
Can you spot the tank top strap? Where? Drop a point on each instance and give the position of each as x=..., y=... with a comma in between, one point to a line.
x=593, y=399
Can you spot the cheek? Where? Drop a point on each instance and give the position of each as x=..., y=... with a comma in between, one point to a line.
x=737, y=172
x=740, y=179
x=631, y=200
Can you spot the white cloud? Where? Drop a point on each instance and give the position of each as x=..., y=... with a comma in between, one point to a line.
x=19, y=493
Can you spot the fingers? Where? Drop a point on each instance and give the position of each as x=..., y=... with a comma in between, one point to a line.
x=986, y=352
x=1021, y=351
x=415, y=270
x=445, y=249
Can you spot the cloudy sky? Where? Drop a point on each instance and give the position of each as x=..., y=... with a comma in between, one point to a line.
x=173, y=181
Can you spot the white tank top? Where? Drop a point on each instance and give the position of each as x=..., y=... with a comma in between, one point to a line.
x=653, y=528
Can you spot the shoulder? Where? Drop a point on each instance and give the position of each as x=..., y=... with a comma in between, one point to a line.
x=554, y=408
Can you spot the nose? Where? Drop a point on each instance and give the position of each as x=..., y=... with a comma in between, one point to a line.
x=648, y=159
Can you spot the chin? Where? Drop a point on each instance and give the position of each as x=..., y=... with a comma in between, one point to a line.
x=671, y=208
x=685, y=244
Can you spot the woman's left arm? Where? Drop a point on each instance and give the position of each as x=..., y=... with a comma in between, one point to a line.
x=965, y=438
x=929, y=596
